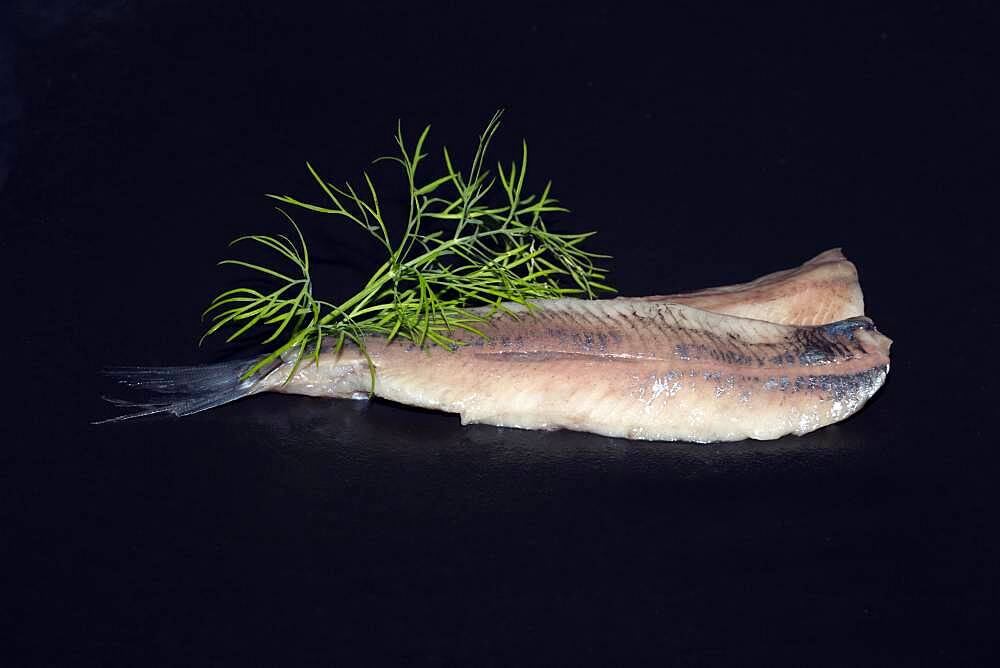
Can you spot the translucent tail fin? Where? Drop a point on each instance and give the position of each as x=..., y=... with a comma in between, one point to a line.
x=184, y=390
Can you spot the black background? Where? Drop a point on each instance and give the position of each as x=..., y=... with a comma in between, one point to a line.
x=707, y=144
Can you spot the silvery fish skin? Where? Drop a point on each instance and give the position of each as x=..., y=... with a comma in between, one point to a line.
x=635, y=369
x=615, y=367
x=821, y=290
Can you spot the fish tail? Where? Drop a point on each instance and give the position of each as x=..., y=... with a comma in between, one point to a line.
x=183, y=390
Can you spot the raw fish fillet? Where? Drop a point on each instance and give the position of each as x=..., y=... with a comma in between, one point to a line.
x=671, y=367
x=632, y=369
x=823, y=289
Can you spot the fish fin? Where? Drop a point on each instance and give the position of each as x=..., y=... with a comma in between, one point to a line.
x=184, y=390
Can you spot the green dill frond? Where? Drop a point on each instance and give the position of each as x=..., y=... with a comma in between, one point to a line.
x=465, y=244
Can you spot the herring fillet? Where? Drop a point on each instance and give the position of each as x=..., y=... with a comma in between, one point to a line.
x=625, y=368
x=642, y=367
x=821, y=290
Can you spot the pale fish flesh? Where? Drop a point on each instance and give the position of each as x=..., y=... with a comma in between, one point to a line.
x=645, y=368
x=823, y=289
x=640, y=370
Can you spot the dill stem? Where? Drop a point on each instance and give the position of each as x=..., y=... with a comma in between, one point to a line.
x=478, y=253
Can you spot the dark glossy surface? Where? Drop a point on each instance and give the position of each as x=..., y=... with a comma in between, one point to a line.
x=707, y=148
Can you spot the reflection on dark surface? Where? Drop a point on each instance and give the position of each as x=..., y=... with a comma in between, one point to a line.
x=390, y=511
x=384, y=429
x=284, y=513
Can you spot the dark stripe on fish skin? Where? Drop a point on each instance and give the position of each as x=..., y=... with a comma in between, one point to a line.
x=816, y=350
x=644, y=334
x=839, y=349
x=784, y=357
x=660, y=326
x=837, y=386
x=802, y=346
x=730, y=352
x=631, y=320
x=827, y=343
x=833, y=350
x=598, y=320
x=677, y=322
x=556, y=355
x=813, y=356
x=556, y=333
x=846, y=328
x=748, y=350
x=672, y=332
x=661, y=323
x=842, y=386
x=776, y=383
x=808, y=349
x=584, y=340
x=581, y=316
x=724, y=351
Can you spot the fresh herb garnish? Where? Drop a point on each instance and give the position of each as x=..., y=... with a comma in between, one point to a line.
x=458, y=251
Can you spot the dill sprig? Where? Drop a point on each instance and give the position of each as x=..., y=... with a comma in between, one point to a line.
x=459, y=249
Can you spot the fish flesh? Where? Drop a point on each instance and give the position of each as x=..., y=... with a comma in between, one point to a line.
x=821, y=290
x=656, y=371
x=641, y=368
